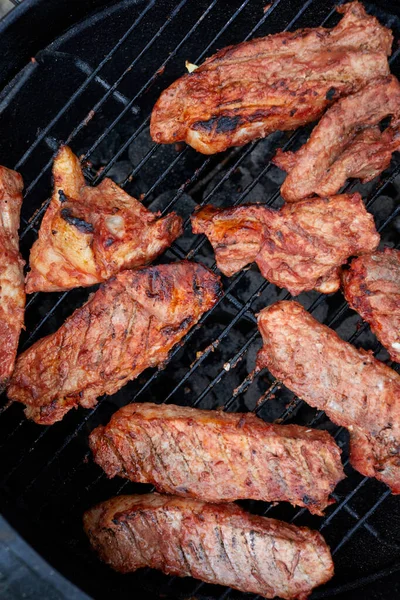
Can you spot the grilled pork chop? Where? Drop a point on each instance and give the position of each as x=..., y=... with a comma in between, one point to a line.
x=351, y=386
x=278, y=82
x=12, y=293
x=131, y=323
x=217, y=457
x=89, y=233
x=372, y=287
x=347, y=142
x=217, y=543
x=299, y=247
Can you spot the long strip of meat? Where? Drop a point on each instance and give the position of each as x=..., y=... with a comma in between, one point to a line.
x=346, y=143
x=351, y=386
x=12, y=293
x=217, y=543
x=278, y=82
x=299, y=247
x=372, y=287
x=218, y=457
x=131, y=323
x=89, y=233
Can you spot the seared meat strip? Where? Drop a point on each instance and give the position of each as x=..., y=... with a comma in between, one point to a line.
x=299, y=247
x=351, y=386
x=131, y=323
x=12, y=293
x=216, y=456
x=278, y=82
x=217, y=543
x=347, y=142
x=372, y=287
x=89, y=233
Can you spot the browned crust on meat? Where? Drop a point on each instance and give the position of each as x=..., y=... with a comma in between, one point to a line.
x=215, y=543
x=299, y=247
x=218, y=457
x=346, y=143
x=278, y=82
x=12, y=293
x=131, y=323
x=354, y=389
x=372, y=287
x=90, y=233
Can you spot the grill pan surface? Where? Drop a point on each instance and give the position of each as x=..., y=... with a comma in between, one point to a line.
x=94, y=87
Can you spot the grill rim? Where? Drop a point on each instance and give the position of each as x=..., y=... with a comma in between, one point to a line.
x=375, y=195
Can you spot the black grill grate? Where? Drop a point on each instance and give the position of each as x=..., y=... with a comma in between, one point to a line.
x=100, y=82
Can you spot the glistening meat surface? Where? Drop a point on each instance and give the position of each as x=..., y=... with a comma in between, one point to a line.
x=215, y=543
x=372, y=287
x=350, y=385
x=216, y=456
x=90, y=233
x=278, y=82
x=131, y=323
x=298, y=247
x=12, y=293
x=346, y=143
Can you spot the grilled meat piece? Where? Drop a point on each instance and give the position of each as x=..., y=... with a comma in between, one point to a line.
x=217, y=457
x=89, y=233
x=299, y=247
x=12, y=293
x=217, y=543
x=131, y=323
x=347, y=142
x=372, y=287
x=354, y=389
x=278, y=82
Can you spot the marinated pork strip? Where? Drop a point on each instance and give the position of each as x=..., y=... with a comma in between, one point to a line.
x=218, y=457
x=278, y=82
x=12, y=293
x=346, y=143
x=354, y=389
x=298, y=247
x=372, y=287
x=131, y=323
x=89, y=233
x=217, y=543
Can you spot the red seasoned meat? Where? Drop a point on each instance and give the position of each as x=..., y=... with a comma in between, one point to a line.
x=217, y=456
x=217, y=543
x=346, y=143
x=12, y=292
x=131, y=323
x=372, y=287
x=278, y=82
x=299, y=247
x=351, y=386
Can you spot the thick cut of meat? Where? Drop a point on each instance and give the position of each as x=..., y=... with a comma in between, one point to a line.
x=12, y=293
x=131, y=323
x=351, y=386
x=217, y=543
x=278, y=82
x=298, y=247
x=217, y=456
x=347, y=142
x=89, y=233
x=372, y=287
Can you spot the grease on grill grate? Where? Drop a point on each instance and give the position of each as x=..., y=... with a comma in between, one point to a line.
x=103, y=112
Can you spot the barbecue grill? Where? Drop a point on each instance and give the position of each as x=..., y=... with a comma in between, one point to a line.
x=97, y=69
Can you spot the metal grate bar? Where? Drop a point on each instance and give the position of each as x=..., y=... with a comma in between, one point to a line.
x=84, y=85
x=361, y=522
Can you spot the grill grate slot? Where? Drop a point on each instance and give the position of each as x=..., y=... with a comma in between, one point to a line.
x=50, y=468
